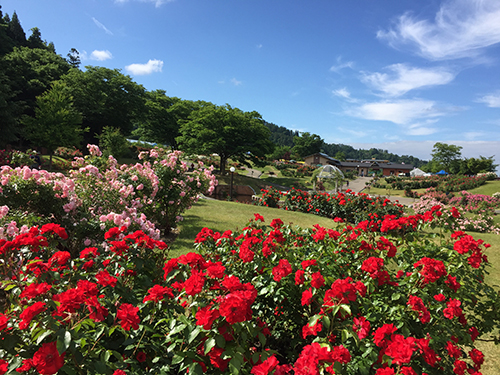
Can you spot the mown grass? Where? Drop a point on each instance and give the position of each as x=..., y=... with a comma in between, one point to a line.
x=221, y=216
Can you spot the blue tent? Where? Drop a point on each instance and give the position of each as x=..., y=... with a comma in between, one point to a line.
x=442, y=172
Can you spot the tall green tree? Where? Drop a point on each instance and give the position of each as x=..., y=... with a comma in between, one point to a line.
x=73, y=58
x=15, y=30
x=35, y=40
x=6, y=43
x=31, y=71
x=56, y=123
x=227, y=131
x=472, y=166
x=307, y=144
x=106, y=97
x=161, y=120
x=447, y=156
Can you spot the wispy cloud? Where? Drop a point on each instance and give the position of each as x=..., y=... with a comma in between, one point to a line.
x=101, y=26
x=235, y=82
x=341, y=65
x=492, y=100
x=100, y=55
x=401, y=112
x=403, y=78
x=152, y=66
x=344, y=94
x=157, y=3
x=422, y=128
x=461, y=28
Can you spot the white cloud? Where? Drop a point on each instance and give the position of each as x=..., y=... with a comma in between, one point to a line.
x=461, y=28
x=101, y=26
x=422, y=128
x=404, y=78
x=157, y=3
x=401, y=112
x=341, y=65
x=343, y=93
x=492, y=100
x=100, y=55
x=152, y=66
x=235, y=82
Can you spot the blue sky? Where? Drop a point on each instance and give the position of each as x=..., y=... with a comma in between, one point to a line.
x=392, y=74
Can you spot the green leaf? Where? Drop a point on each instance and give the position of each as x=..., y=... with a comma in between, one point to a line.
x=345, y=335
x=195, y=368
x=42, y=336
x=63, y=341
x=221, y=341
x=209, y=344
x=396, y=296
x=177, y=329
x=193, y=334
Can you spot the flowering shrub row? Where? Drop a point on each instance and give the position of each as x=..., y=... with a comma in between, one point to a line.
x=471, y=217
x=379, y=297
x=99, y=193
x=349, y=206
x=440, y=183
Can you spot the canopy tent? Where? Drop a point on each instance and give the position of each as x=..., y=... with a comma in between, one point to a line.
x=442, y=172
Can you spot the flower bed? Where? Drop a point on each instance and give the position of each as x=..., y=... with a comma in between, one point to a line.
x=349, y=206
x=379, y=297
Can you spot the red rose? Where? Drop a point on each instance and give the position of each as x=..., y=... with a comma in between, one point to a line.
x=47, y=359
x=141, y=357
x=127, y=314
x=283, y=269
x=194, y=284
x=105, y=279
x=317, y=280
x=361, y=326
x=205, y=317
x=400, y=349
x=30, y=312
x=265, y=367
x=54, y=228
x=4, y=366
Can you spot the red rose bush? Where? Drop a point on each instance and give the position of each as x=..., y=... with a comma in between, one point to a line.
x=384, y=296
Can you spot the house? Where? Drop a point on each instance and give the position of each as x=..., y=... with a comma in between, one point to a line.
x=360, y=167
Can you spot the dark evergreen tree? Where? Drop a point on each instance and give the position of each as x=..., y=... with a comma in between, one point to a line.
x=15, y=31
x=35, y=39
x=73, y=58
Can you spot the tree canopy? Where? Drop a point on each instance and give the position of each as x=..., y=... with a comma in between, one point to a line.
x=447, y=156
x=106, y=97
x=226, y=131
x=56, y=122
x=307, y=144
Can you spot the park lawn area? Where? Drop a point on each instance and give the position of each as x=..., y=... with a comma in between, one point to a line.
x=489, y=188
x=221, y=216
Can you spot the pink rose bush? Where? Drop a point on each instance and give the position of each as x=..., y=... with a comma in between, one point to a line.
x=378, y=297
x=99, y=194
